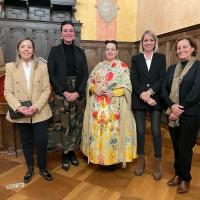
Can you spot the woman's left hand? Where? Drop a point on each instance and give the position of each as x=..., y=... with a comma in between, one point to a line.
x=73, y=96
x=151, y=102
x=31, y=110
x=177, y=109
x=108, y=93
x=173, y=117
x=145, y=96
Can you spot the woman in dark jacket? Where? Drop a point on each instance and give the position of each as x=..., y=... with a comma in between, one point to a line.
x=147, y=74
x=68, y=72
x=181, y=92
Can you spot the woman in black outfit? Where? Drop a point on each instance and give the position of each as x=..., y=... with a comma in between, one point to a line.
x=181, y=92
x=147, y=74
x=68, y=73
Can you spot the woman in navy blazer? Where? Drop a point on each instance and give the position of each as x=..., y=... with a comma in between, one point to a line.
x=147, y=74
x=181, y=93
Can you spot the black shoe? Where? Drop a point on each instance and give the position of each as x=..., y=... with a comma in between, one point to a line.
x=72, y=158
x=46, y=174
x=66, y=165
x=29, y=174
x=111, y=168
x=65, y=162
x=103, y=167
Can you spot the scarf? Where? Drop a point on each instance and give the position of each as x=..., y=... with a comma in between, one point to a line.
x=177, y=79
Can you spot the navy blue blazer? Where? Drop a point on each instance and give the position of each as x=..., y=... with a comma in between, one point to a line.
x=58, y=70
x=189, y=90
x=142, y=79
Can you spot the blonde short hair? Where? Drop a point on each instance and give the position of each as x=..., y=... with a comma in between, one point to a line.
x=153, y=35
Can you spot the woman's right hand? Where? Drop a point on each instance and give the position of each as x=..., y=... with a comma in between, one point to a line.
x=173, y=117
x=145, y=96
x=177, y=109
x=98, y=91
x=24, y=110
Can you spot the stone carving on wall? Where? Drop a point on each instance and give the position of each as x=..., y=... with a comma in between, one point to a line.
x=107, y=10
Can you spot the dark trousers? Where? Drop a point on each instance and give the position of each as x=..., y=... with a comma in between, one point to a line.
x=183, y=140
x=34, y=134
x=155, y=118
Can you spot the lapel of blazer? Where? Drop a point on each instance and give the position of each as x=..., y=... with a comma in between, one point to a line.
x=33, y=68
x=144, y=65
x=62, y=58
x=153, y=62
x=76, y=58
x=21, y=77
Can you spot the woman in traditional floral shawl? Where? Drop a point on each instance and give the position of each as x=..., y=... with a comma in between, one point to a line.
x=109, y=132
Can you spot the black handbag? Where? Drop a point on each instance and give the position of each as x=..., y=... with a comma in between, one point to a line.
x=18, y=115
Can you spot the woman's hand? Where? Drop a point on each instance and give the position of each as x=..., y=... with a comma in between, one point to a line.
x=173, y=117
x=145, y=96
x=98, y=91
x=32, y=110
x=22, y=109
x=108, y=93
x=66, y=95
x=151, y=102
x=27, y=111
x=71, y=96
x=177, y=109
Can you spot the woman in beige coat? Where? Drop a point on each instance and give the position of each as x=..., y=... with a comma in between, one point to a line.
x=27, y=80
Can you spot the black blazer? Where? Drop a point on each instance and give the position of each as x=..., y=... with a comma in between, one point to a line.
x=189, y=90
x=142, y=79
x=58, y=70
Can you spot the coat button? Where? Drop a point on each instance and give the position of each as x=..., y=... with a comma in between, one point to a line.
x=148, y=85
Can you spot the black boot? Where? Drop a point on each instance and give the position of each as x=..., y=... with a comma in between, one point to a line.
x=29, y=174
x=72, y=158
x=65, y=161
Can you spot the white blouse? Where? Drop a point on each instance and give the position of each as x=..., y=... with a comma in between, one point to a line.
x=148, y=61
x=27, y=72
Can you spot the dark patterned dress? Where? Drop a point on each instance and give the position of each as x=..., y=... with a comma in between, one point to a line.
x=67, y=121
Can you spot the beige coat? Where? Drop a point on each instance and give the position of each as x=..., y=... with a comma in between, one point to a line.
x=16, y=90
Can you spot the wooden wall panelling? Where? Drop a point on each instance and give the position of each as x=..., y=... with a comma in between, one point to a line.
x=95, y=52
